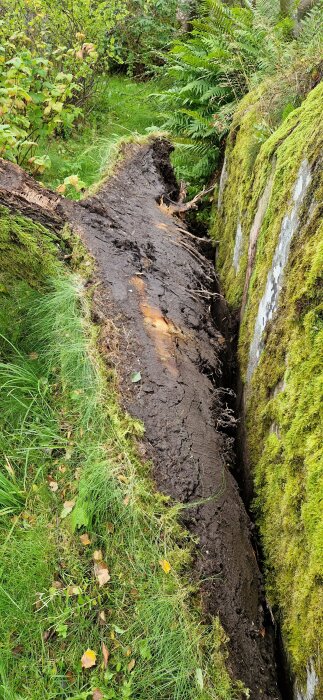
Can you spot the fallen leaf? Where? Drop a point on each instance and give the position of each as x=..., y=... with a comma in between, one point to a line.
x=97, y=555
x=128, y=651
x=17, y=650
x=67, y=508
x=53, y=485
x=57, y=585
x=88, y=659
x=61, y=188
x=102, y=617
x=74, y=590
x=48, y=634
x=131, y=665
x=97, y=694
x=126, y=500
x=70, y=677
x=72, y=180
x=135, y=377
x=105, y=654
x=33, y=356
x=101, y=573
x=85, y=540
x=123, y=479
x=165, y=565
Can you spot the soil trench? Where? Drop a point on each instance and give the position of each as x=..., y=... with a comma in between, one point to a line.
x=159, y=290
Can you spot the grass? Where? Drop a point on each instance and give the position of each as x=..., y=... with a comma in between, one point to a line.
x=66, y=440
x=121, y=107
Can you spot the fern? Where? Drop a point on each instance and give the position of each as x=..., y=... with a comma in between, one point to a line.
x=228, y=50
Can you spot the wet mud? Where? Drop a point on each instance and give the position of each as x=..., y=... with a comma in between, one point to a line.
x=162, y=295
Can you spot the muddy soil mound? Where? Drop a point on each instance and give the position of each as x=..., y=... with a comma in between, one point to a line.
x=159, y=290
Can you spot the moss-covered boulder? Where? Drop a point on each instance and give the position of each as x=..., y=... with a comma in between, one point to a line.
x=270, y=261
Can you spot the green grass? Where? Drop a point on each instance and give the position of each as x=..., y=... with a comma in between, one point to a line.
x=61, y=424
x=120, y=108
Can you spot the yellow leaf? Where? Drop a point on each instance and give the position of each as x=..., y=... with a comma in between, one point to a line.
x=85, y=540
x=165, y=565
x=131, y=665
x=73, y=590
x=97, y=555
x=88, y=659
x=61, y=188
x=67, y=509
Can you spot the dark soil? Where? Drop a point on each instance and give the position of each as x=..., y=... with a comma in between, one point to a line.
x=173, y=327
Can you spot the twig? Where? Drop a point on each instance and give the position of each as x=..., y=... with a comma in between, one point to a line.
x=180, y=208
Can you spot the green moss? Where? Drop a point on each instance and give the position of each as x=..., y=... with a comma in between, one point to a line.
x=298, y=137
x=285, y=394
x=284, y=436
x=28, y=250
x=248, y=131
x=29, y=255
x=250, y=155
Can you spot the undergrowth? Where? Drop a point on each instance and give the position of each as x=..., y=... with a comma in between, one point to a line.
x=77, y=501
x=112, y=116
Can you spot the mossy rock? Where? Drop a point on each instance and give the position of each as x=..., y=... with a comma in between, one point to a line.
x=283, y=397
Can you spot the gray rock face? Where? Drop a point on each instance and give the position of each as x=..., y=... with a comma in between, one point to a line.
x=269, y=301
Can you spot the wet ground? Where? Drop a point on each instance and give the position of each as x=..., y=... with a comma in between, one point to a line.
x=161, y=293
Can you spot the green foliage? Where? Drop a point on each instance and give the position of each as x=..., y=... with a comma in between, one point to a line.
x=89, y=149
x=39, y=88
x=143, y=35
x=228, y=51
x=55, y=57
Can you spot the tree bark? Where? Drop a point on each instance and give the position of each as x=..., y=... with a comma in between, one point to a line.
x=304, y=7
x=285, y=8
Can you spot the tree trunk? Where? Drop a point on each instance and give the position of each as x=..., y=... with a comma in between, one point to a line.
x=285, y=8
x=304, y=7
